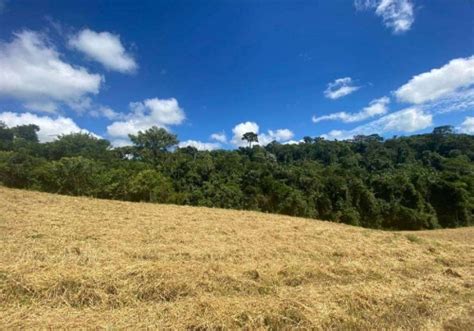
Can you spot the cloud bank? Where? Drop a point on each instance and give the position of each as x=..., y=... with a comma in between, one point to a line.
x=34, y=72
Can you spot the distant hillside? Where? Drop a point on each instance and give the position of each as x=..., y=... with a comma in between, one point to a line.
x=69, y=262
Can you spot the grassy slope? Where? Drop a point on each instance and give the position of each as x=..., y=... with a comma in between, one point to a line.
x=79, y=262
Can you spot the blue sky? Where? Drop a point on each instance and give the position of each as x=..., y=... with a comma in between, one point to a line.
x=212, y=70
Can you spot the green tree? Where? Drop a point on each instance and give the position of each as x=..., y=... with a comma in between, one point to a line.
x=78, y=144
x=250, y=137
x=75, y=176
x=151, y=185
x=152, y=143
x=443, y=130
x=26, y=132
x=6, y=137
x=416, y=182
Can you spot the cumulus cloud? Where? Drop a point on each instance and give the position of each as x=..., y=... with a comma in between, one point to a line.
x=34, y=72
x=199, y=145
x=105, y=48
x=220, y=137
x=406, y=120
x=340, y=88
x=50, y=127
x=240, y=129
x=438, y=83
x=143, y=115
x=403, y=121
x=375, y=108
x=398, y=15
x=163, y=111
x=467, y=126
x=442, y=90
x=280, y=135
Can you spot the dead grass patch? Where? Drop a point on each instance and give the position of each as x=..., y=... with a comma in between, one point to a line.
x=68, y=262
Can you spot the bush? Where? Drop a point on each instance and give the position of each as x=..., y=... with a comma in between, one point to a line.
x=151, y=185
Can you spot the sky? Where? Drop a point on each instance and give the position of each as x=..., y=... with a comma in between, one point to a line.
x=209, y=71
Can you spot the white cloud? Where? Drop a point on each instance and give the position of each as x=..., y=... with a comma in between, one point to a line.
x=339, y=135
x=293, y=142
x=375, y=108
x=33, y=72
x=45, y=107
x=120, y=142
x=403, y=121
x=164, y=111
x=280, y=135
x=398, y=15
x=468, y=125
x=105, y=48
x=106, y=112
x=81, y=105
x=458, y=101
x=151, y=112
x=438, y=83
x=199, y=145
x=442, y=90
x=240, y=129
x=340, y=88
x=406, y=120
x=50, y=127
x=220, y=137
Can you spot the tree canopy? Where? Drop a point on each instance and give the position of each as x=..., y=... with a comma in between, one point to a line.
x=417, y=182
x=250, y=137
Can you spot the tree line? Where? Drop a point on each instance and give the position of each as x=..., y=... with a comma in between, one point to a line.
x=408, y=183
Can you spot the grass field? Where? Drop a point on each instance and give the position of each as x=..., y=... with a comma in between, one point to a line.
x=82, y=263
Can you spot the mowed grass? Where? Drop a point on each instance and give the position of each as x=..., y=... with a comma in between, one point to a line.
x=68, y=262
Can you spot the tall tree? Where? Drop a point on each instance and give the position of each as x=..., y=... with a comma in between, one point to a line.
x=250, y=137
x=151, y=143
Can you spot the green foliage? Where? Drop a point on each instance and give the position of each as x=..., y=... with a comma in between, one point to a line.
x=26, y=132
x=152, y=143
x=250, y=137
x=445, y=129
x=6, y=137
x=75, y=176
x=77, y=144
x=410, y=183
x=150, y=185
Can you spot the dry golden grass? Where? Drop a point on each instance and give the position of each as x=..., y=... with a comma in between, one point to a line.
x=83, y=263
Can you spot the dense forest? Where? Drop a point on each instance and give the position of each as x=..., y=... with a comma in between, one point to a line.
x=418, y=182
